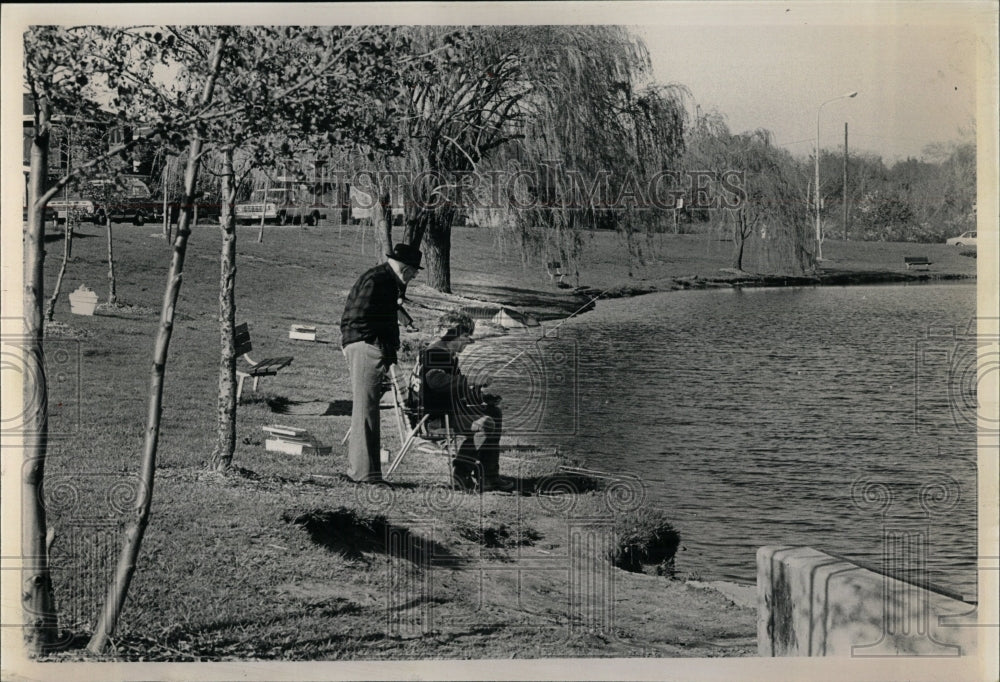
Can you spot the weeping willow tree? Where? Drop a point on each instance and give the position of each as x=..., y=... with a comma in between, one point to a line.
x=463, y=91
x=546, y=128
x=769, y=202
x=595, y=137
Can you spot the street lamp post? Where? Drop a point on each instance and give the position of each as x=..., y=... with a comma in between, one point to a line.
x=819, y=233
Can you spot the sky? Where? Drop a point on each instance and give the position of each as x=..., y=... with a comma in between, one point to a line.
x=761, y=64
x=916, y=82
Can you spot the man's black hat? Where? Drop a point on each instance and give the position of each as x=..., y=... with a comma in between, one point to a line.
x=407, y=255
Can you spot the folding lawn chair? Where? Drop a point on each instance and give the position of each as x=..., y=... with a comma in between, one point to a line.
x=428, y=431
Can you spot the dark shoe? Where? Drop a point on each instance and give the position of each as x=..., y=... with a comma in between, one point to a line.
x=498, y=485
x=371, y=480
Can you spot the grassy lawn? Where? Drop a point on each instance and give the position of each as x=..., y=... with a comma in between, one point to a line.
x=283, y=559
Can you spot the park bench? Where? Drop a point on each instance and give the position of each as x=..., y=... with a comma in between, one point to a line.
x=554, y=268
x=263, y=368
x=916, y=262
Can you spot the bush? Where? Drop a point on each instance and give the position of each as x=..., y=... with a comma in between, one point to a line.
x=644, y=538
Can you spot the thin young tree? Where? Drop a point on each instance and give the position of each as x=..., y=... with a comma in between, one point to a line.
x=378, y=171
x=38, y=601
x=57, y=66
x=207, y=74
x=112, y=279
x=78, y=141
x=288, y=89
x=68, y=231
x=80, y=72
x=105, y=194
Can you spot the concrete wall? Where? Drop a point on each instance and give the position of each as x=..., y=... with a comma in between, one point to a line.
x=813, y=604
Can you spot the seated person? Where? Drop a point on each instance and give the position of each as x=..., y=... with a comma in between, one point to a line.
x=438, y=387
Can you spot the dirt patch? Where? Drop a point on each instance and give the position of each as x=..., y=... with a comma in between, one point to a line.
x=559, y=483
x=354, y=536
x=499, y=536
x=316, y=408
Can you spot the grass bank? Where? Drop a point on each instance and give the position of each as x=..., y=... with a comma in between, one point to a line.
x=283, y=559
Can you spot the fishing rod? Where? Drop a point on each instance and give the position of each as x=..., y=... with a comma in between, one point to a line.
x=544, y=331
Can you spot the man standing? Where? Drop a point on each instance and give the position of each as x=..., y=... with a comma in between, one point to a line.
x=369, y=331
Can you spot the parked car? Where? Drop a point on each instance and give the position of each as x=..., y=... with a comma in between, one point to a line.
x=85, y=210
x=964, y=239
x=281, y=206
x=208, y=208
x=51, y=215
x=128, y=200
x=361, y=207
x=126, y=210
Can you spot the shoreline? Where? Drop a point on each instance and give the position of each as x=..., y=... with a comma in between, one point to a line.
x=779, y=281
x=556, y=305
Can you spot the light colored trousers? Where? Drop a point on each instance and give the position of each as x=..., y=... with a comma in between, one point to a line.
x=367, y=377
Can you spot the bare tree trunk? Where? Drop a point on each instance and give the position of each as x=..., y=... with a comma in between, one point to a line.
x=70, y=214
x=739, y=236
x=382, y=219
x=738, y=257
x=118, y=589
x=431, y=229
x=629, y=251
x=263, y=207
x=225, y=445
x=112, y=284
x=37, y=598
x=416, y=225
x=166, y=209
x=437, y=249
x=67, y=250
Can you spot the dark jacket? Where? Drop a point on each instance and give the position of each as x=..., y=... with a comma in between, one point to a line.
x=370, y=313
x=438, y=385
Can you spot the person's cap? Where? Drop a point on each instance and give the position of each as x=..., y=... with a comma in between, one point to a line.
x=407, y=255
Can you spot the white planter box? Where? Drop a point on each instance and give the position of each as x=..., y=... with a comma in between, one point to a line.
x=302, y=332
x=296, y=448
x=83, y=301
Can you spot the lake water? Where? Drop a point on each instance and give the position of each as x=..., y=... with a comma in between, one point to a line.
x=815, y=416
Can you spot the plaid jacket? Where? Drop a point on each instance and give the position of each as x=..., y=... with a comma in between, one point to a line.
x=370, y=312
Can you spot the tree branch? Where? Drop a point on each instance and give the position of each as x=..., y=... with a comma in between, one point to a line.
x=194, y=46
